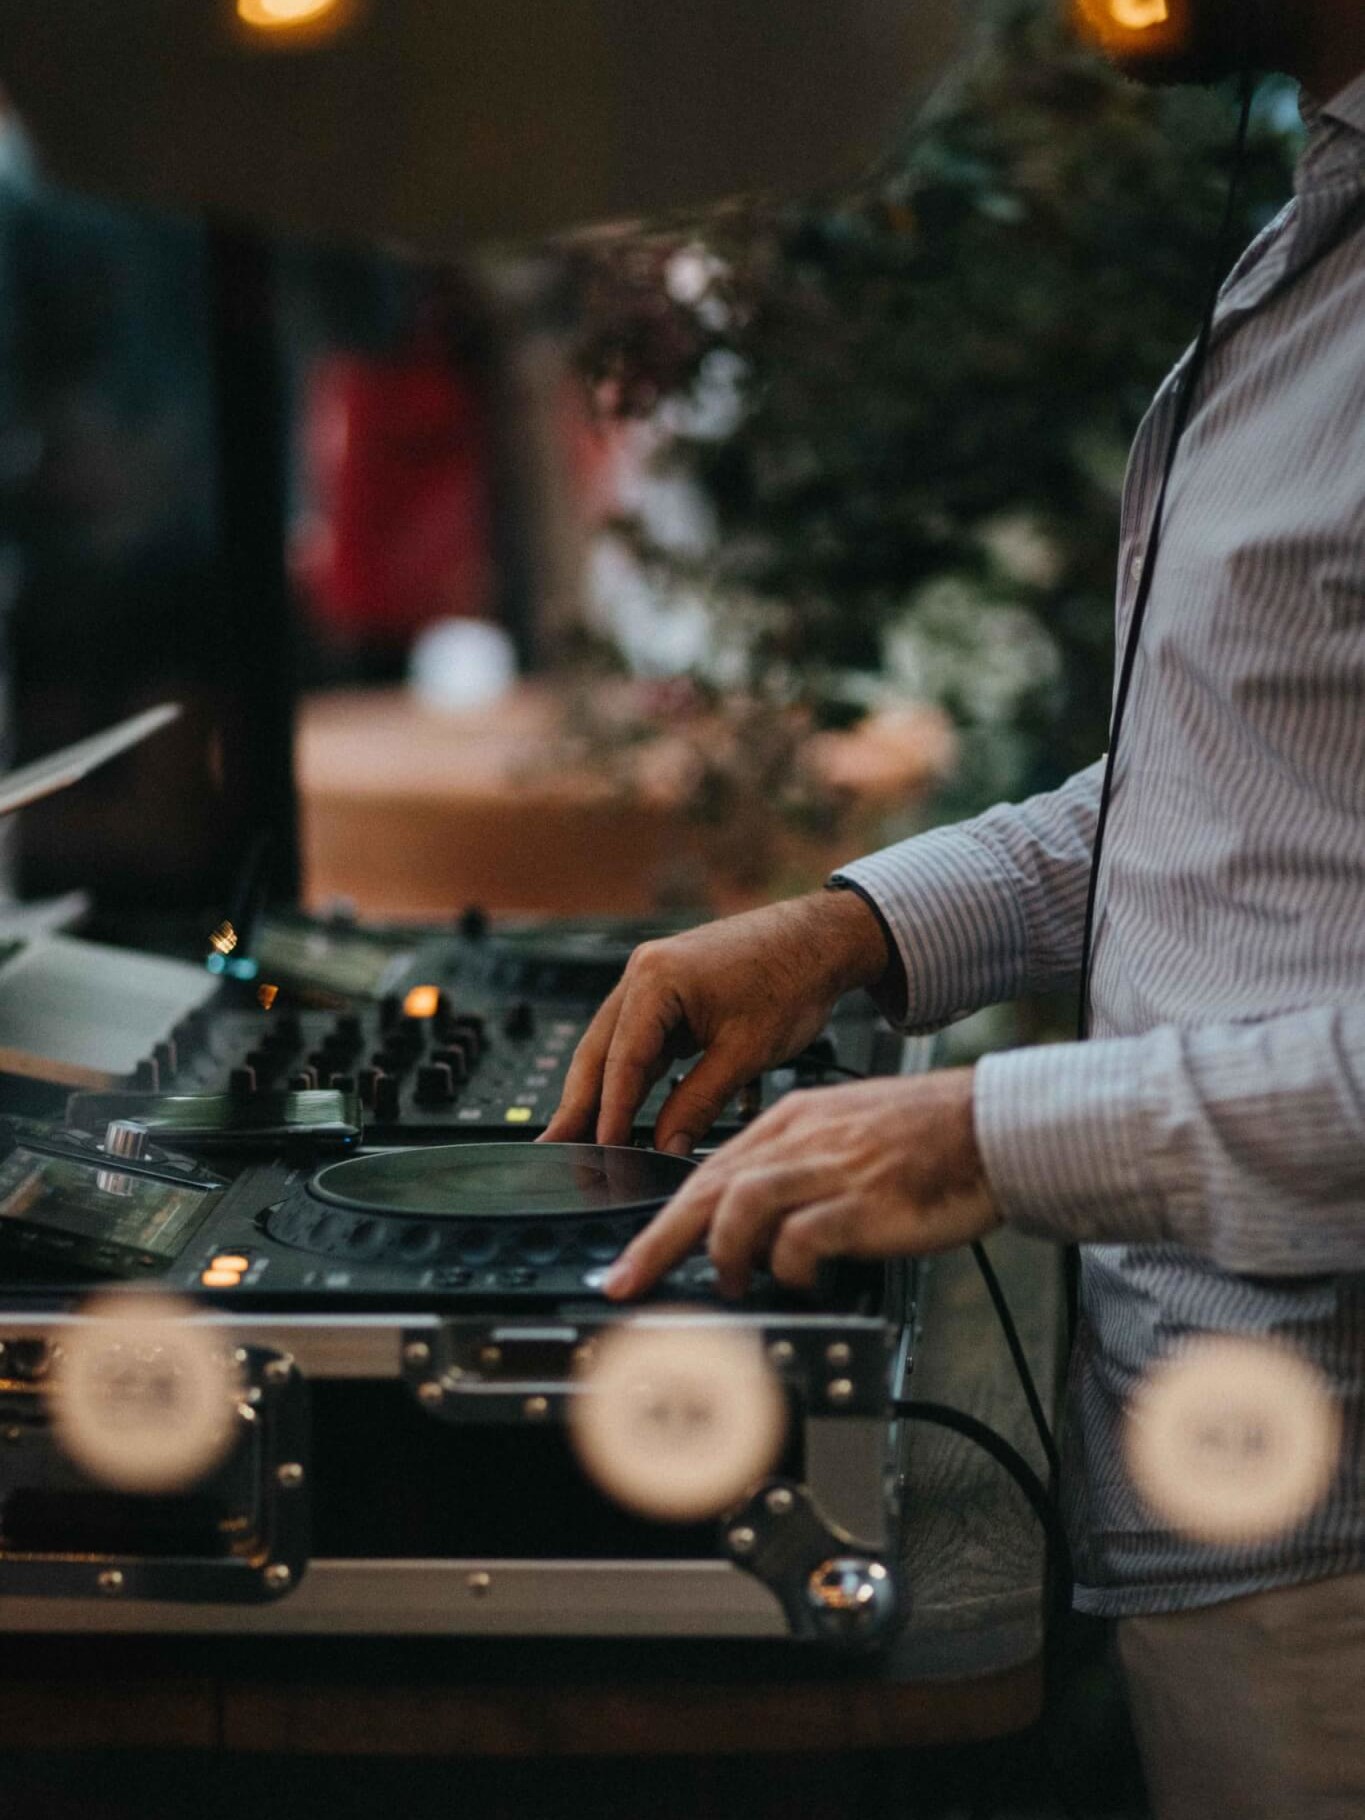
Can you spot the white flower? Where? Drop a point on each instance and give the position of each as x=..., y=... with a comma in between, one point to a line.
x=958, y=645
x=1021, y=549
x=691, y=272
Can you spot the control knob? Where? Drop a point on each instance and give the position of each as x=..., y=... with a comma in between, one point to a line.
x=435, y=1084
x=125, y=1138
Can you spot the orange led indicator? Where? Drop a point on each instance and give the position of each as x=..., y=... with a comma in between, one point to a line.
x=422, y=1001
x=231, y=1261
x=266, y=996
x=221, y=1279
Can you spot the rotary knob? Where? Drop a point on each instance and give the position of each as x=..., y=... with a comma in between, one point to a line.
x=125, y=1138
x=435, y=1084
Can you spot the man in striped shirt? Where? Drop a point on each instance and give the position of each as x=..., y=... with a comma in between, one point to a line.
x=1207, y=1147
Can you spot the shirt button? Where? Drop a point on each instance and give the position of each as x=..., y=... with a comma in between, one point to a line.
x=1135, y=568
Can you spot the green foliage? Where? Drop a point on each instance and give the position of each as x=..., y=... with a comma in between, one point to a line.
x=938, y=382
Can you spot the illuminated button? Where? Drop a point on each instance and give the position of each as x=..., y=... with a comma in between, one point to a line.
x=517, y=1115
x=221, y=1279
x=232, y=1260
x=422, y=1001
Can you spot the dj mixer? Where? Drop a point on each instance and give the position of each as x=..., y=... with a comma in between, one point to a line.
x=443, y=1036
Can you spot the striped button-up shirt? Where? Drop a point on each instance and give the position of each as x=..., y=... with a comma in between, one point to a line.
x=1207, y=1145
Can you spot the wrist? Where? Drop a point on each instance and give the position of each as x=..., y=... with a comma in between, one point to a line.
x=852, y=937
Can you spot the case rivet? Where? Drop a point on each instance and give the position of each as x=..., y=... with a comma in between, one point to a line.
x=111, y=1582
x=779, y=1500
x=839, y=1390
x=741, y=1540
x=290, y=1475
x=417, y=1352
x=277, y=1576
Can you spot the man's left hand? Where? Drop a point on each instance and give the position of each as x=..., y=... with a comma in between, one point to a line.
x=882, y=1168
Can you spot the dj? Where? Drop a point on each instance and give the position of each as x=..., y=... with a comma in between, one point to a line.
x=1207, y=1147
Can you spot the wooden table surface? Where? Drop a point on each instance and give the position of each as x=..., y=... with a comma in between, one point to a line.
x=406, y=812
x=966, y=1666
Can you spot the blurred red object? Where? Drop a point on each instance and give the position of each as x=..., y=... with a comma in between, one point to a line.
x=397, y=528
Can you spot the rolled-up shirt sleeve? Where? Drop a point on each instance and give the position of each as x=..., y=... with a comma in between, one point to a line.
x=1244, y=1142
x=988, y=909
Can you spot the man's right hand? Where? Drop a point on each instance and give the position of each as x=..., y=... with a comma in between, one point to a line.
x=747, y=993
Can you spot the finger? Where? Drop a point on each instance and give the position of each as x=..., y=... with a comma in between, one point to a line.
x=582, y=1092
x=827, y=1230
x=750, y=1209
x=636, y=1056
x=698, y=1100
x=668, y=1238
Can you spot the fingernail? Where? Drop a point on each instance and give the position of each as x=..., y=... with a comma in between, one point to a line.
x=679, y=1145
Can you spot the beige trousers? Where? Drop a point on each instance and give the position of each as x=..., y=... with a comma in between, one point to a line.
x=1253, y=1709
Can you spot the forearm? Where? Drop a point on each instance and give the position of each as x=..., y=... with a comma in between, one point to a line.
x=1244, y=1142
x=988, y=909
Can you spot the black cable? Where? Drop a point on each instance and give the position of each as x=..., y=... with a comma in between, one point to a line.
x=1060, y=1577
x=1007, y=1327
x=1021, y=1364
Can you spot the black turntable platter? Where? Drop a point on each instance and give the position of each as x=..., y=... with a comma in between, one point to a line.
x=504, y=1181
x=507, y=1208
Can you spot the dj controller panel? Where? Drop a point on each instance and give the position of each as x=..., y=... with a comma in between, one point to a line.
x=413, y=1293
x=471, y=1037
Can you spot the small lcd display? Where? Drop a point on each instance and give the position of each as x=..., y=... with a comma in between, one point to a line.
x=99, y=1207
x=334, y=960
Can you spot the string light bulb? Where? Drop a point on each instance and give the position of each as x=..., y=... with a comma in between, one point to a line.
x=1139, y=15
x=292, y=16
x=1134, y=28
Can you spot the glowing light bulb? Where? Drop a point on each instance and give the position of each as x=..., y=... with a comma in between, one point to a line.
x=677, y=1422
x=143, y=1396
x=1139, y=15
x=1233, y=1440
x=284, y=15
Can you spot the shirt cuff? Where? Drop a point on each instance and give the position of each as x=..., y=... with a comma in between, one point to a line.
x=956, y=922
x=1061, y=1131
